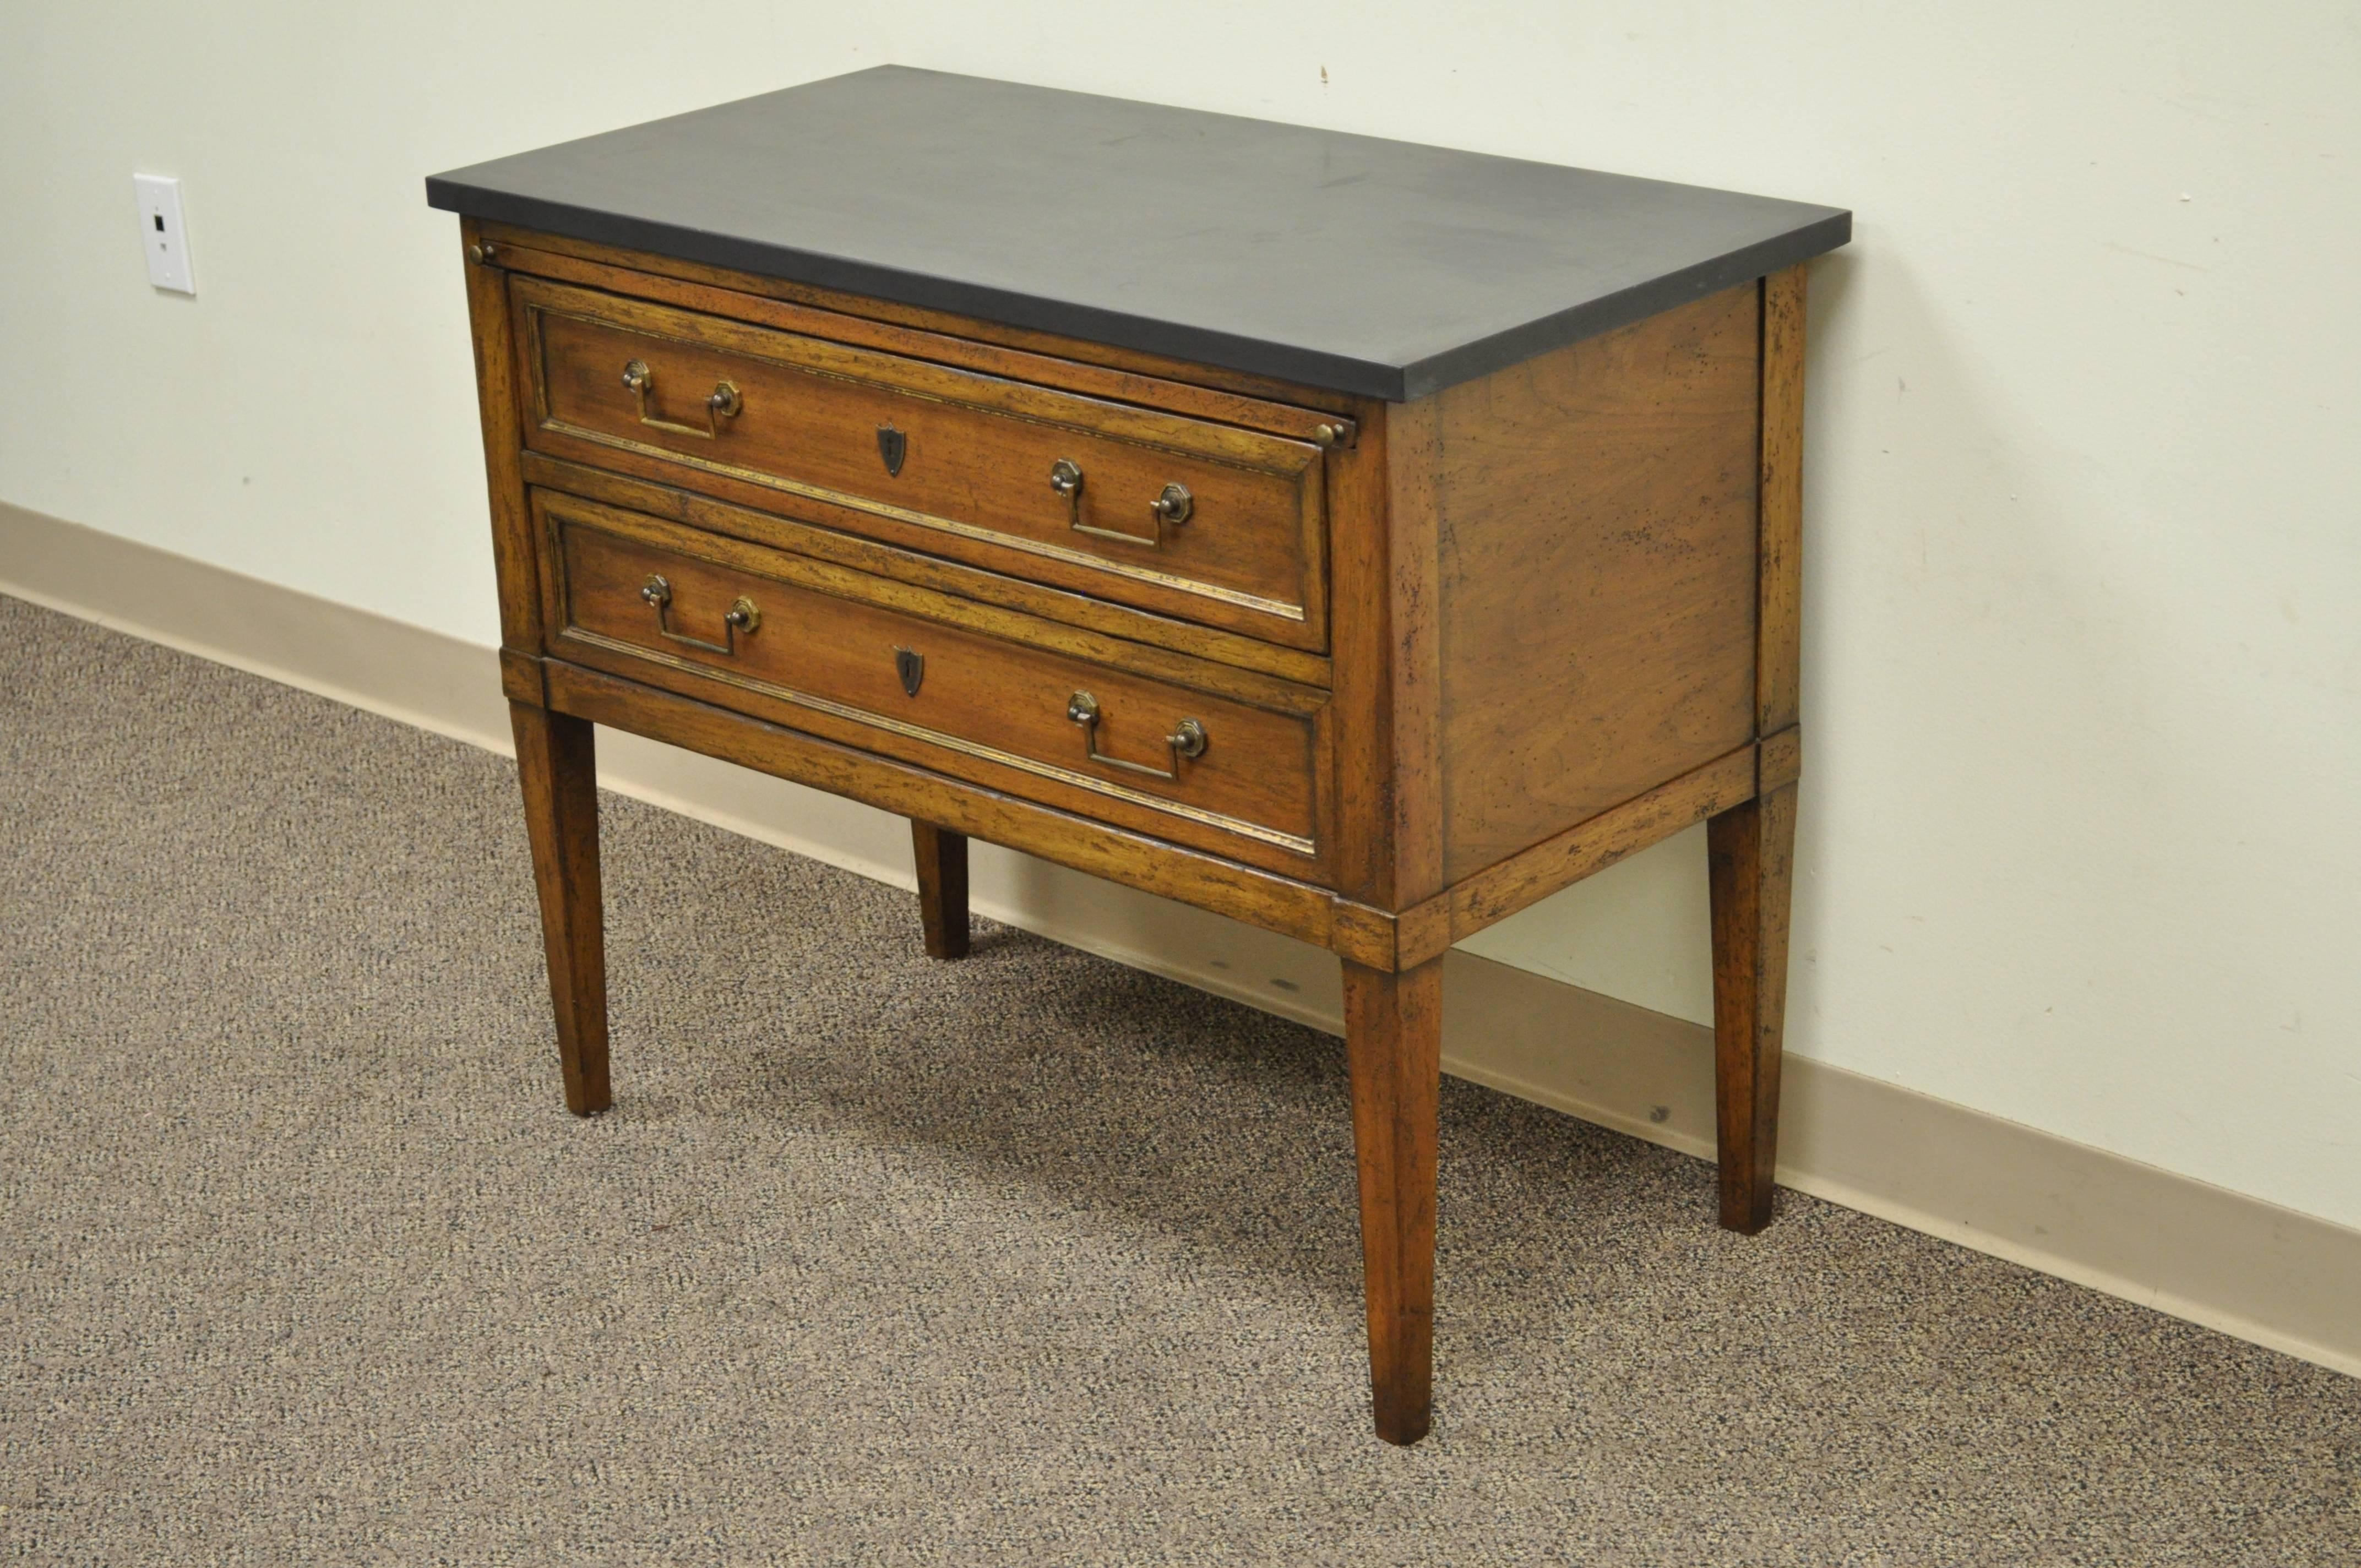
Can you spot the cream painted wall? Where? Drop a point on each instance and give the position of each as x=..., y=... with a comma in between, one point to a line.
x=2083, y=676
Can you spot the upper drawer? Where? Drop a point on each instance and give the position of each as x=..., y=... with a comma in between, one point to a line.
x=1185, y=516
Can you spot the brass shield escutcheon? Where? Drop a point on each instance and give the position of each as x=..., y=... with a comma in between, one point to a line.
x=893, y=447
x=911, y=665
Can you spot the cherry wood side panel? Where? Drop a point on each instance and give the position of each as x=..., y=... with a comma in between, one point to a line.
x=856, y=309
x=1597, y=536
x=1751, y=858
x=971, y=479
x=1393, y=1041
x=1260, y=898
x=985, y=707
x=941, y=857
x=557, y=769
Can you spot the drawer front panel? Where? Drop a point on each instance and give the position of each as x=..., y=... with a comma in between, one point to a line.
x=950, y=697
x=1208, y=521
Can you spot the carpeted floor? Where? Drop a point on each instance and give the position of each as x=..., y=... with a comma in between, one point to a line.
x=1030, y=1259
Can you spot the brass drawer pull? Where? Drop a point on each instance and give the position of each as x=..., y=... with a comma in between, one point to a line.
x=1171, y=507
x=742, y=617
x=1188, y=739
x=724, y=403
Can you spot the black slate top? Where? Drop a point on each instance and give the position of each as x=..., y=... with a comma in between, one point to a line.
x=1382, y=268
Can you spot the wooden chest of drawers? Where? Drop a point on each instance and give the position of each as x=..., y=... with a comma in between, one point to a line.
x=1369, y=618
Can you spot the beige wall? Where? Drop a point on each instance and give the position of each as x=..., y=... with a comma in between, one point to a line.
x=2083, y=677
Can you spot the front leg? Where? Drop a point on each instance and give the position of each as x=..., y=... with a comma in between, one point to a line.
x=558, y=770
x=1393, y=1041
x=942, y=889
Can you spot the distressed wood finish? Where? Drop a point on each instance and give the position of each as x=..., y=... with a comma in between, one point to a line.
x=1451, y=654
x=1589, y=847
x=824, y=656
x=942, y=889
x=1393, y=1042
x=1388, y=816
x=710, y=518
x=1750, y=852
x=1225, y=886
x=499, y=402
x=557, y=768
x=1598, y=574
x=1752, y=847
x=882, y=583
x=1780, y=617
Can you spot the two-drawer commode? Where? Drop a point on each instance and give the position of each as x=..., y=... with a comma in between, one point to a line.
x=1355, y=539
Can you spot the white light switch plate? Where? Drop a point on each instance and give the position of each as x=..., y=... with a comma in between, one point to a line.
x=163, y=235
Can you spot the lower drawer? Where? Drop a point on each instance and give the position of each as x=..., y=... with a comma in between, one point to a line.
x=1206, y=755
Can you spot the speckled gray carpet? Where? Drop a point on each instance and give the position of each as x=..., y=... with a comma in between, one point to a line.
x=1030, y=1259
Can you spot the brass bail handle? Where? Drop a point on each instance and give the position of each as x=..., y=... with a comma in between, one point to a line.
x=1173, y=507
x=1188, y=739
x=724, y=403
x=742, y=617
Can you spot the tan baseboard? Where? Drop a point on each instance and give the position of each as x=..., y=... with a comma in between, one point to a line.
x=2250, y=1268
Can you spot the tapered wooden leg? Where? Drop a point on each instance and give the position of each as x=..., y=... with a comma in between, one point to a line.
x=556, y=765
x=942, y=889
x=1751, y=853
x=1393, y=1041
